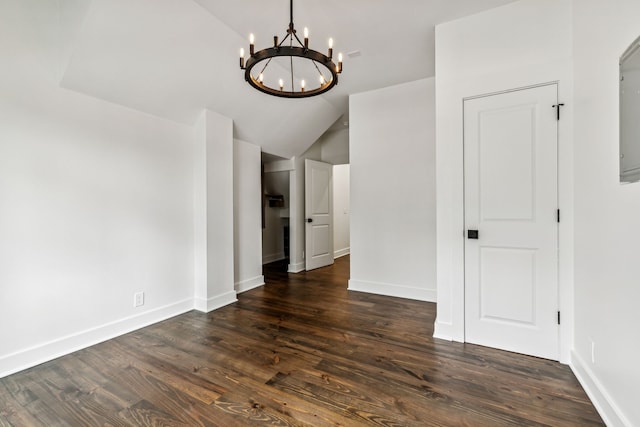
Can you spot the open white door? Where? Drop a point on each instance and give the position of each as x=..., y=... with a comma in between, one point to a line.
x=318, y=201
x=511, y=236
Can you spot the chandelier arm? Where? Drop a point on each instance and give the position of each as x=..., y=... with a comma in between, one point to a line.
x=284, y=40
x=296, y=36
x=316, y=65
x=265, y=66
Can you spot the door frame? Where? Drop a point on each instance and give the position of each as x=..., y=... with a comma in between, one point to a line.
x=464, y=207
x=309, y=166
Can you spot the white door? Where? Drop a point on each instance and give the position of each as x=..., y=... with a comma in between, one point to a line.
x=318, y=201
x=511, y=279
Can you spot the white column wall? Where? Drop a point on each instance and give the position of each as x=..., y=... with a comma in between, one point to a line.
x=214, y=261
x=247, y=224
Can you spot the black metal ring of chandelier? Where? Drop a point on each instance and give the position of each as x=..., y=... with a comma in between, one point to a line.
x=291, y=51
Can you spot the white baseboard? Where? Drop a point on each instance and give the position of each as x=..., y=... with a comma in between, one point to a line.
x=391, y=290
x=268, y=259
x=601, y=399
x=247, y=285
x=443, y=331
x=45, y=352
x=296, y=268
x=207, y=305
x=341, y=252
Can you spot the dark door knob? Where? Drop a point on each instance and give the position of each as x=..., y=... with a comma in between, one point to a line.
x=309, y=219
x=472, y=234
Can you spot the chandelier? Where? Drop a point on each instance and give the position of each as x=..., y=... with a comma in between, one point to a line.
x=296, y=59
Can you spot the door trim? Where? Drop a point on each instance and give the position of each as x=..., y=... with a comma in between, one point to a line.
x=463, y=226
x=502, y=92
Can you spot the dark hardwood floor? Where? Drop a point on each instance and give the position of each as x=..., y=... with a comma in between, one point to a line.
x=300, y=351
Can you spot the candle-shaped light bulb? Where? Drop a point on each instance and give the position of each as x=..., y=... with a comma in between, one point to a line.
x=252, y=40
x=306, y=38
x=241, y=58
x=330, y=48
x=302, y=84
x=261, y=78
x=339, y=62
x=281, y=84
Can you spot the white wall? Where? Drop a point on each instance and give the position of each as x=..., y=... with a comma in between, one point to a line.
x=393, y=229
x=247, y=217
x=607, y=230
x=341, y=210
x=521, y=44
x=96, y=204
x=335, y=147
x=275, y=218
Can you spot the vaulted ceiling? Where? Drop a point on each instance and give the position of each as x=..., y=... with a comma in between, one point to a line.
x=173, y=58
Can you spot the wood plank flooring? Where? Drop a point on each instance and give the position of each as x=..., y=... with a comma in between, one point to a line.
x=300, y=351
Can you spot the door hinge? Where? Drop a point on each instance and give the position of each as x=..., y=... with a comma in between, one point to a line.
x=558, y=215
x=558, y=317
x=557, y=107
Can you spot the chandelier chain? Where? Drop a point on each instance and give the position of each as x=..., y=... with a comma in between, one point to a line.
x=291, y=14
x=291, y=59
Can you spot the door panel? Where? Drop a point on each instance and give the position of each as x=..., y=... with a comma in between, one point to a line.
x=507, y=275
x=508, y=185
x=320, y=241
x=319, y=191
x=319, y=214
x=511, y=290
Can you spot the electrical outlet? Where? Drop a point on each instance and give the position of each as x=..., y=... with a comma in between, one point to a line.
x=138, y=299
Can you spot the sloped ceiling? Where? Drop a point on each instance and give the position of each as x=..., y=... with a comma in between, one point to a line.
x=173, y=58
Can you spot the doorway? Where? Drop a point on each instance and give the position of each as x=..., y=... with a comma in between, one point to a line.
x=327, y=213
x=276, y=208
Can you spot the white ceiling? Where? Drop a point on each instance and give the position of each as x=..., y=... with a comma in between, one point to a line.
x=173, y=58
